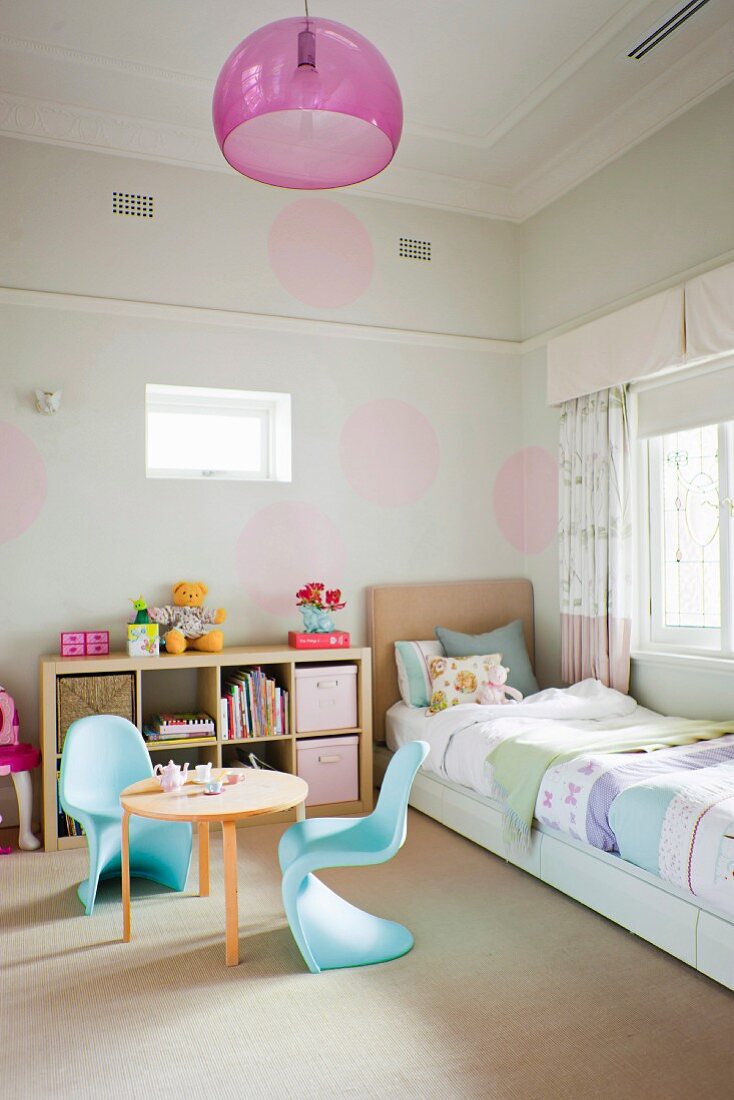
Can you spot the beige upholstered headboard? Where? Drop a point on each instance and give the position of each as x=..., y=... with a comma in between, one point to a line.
x=411, y=612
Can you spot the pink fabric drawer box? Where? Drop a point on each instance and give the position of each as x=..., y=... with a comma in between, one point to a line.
x=326, y=698
x=98, y=637
x=97, y=648
x=329, y=766
x=73, y=649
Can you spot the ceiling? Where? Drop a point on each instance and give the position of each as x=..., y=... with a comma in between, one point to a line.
x=508, y=103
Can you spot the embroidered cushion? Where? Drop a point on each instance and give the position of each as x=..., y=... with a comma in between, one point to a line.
x=457, y=680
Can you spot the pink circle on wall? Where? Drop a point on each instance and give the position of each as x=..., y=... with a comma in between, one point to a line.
x=321, y=253
x=389, y=452
x=285, y=546
x=525, y=499
x=22, y=482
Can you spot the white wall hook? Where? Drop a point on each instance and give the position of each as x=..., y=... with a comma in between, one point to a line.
x=47, y=402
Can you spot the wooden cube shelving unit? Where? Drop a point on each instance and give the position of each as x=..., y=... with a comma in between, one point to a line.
x=197, y=683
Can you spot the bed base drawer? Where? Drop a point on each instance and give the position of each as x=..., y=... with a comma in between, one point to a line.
x=653, y=914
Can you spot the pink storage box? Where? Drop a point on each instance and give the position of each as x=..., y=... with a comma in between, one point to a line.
x=81, y=643
x=326, y=698
x=329, y=766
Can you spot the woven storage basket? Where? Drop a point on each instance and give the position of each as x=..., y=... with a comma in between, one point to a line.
x=80, y=696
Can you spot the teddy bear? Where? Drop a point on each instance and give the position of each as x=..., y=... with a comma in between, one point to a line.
x=188, y=620
x=495, y=690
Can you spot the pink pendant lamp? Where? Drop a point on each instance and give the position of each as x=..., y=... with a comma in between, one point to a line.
x=307, y=103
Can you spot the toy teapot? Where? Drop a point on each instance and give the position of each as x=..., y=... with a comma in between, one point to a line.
x=172, y=778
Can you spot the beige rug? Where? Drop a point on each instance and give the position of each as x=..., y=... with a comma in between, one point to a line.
x=512, y=990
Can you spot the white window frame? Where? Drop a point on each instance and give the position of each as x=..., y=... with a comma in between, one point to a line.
x=272, y=410
x=652, y=634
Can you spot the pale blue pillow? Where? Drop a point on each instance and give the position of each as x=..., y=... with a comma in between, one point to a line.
x=508, y=640
x=414, y=679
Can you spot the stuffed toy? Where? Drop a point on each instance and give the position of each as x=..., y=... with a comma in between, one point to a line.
x=188, y=621
x=495, y=690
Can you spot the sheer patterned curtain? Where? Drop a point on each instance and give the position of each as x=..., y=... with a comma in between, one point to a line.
x=595, y=538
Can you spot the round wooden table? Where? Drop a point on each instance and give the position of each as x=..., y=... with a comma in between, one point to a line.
x=260, y=792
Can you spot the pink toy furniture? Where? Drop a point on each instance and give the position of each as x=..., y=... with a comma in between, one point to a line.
x=17, y=760
x=84, y=643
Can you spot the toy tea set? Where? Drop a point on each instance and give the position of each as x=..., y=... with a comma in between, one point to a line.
x=172, y=777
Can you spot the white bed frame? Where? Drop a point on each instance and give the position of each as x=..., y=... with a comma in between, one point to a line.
x=663, y=915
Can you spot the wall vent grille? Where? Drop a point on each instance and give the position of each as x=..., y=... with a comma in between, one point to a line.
x=411, y=249
x=135, y=206
x=661, y=32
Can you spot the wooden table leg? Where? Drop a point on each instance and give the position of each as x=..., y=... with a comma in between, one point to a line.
x=203, y=859
x=125, y=876
x=301, y=811
x=231, y=936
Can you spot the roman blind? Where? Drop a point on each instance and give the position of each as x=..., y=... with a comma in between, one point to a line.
x=699, y=396
x=710, y=313
x=641, y=339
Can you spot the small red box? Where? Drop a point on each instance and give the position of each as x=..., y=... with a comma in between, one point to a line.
x=337, y=639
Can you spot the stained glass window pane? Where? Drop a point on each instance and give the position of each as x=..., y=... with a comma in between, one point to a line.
x=691, y=528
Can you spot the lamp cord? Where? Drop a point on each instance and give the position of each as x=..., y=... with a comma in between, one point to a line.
x=306, y=5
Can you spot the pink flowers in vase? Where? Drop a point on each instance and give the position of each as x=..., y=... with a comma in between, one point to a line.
x=317, y=603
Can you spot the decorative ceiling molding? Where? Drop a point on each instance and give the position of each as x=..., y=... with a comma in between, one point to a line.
x=698, y=74
x=674, y=92
x=101, y=61
x=101, y=132
x=544, y=90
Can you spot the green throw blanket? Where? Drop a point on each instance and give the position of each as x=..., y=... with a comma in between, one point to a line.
x=522, y=758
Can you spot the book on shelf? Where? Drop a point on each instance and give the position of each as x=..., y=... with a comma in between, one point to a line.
x=254, y=706
x=177, y=727
x=66, y=825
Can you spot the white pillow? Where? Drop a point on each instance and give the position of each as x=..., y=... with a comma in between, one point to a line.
x=414, y=678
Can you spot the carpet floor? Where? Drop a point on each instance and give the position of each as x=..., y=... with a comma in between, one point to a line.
x=512, y=990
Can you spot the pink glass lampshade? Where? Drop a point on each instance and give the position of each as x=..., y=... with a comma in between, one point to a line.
x=307, y=103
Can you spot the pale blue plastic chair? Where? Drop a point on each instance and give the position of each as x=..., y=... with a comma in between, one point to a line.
x=330, y=932
x=102, y=755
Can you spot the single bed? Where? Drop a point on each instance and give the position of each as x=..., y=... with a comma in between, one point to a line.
x=456, y=789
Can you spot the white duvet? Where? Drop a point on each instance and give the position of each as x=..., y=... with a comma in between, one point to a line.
x=461, y=737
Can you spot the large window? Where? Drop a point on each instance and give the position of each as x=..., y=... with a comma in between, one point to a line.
x=691, y=548
x=193, y=432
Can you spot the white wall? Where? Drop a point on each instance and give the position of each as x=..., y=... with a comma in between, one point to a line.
x=207, y=244
x=540, y=427
x=660, y=210
x=106, y=533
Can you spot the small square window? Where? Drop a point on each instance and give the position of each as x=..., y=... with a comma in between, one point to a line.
x=193, y=432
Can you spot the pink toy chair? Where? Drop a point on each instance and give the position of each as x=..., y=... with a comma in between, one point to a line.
x=17, y=760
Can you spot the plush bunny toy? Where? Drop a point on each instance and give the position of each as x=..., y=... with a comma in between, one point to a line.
x=495, y=690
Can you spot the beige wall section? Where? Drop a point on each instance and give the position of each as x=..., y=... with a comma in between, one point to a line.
x=208, y=244
x=659, y=210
